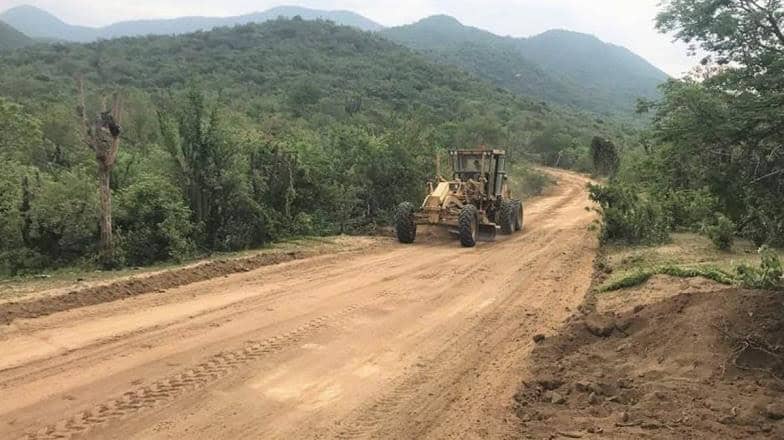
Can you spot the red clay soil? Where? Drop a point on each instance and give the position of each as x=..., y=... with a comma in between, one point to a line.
x=697, y=365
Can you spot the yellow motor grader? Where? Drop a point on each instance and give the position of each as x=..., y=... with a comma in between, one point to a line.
x=473, y=205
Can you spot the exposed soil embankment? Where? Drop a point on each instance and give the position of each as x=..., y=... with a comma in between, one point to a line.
x=700, y=363
x=155, y=283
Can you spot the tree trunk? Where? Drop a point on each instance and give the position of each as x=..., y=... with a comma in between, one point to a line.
x=103, y=136
x=107, y=240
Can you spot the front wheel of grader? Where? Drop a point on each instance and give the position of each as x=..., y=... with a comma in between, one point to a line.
x=469, y=225
x=405, y=227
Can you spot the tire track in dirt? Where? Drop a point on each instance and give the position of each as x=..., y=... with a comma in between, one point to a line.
x=189, y=380
x=121, y=342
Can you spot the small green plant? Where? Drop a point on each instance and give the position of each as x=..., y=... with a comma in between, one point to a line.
x=721, y=232
x=767, y=276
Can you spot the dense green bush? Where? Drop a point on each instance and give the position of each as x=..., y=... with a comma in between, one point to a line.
x=628, y=216
x=62, y=220
x=689, y=209
x=721, y=232
x=152, y=222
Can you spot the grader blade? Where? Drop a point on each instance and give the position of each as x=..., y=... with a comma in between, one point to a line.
x=487, y=232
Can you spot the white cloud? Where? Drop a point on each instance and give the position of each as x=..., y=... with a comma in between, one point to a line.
x=628, y=23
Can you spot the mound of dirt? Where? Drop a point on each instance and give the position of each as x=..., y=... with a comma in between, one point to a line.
x=694, y=365
x=158, y=282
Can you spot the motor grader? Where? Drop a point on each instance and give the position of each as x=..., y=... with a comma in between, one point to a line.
x=473, y=205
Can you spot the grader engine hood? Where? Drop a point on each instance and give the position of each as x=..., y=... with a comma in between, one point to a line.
x=439, y=199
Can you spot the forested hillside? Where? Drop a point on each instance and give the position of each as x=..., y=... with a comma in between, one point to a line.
x=10, y=38
x=559, y=67
x=563, y=67
x=38, y=23
x=238, y=136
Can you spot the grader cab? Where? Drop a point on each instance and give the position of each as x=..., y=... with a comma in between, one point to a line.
x=474, y=204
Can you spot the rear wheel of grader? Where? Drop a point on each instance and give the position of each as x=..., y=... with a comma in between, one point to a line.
x=469, y=225
x=505, y=217
x=405, y=227
x=519, y=214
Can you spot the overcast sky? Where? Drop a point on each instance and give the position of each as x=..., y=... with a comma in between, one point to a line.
x=627, y=23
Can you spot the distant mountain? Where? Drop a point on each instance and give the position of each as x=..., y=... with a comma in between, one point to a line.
x=38, y=23
x=11, y=38
x=605, y=70
x=563, y=67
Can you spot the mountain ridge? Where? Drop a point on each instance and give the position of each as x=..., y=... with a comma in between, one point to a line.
x=558, y=66
x=561, y=66
x=38, y=23
x=11, y=38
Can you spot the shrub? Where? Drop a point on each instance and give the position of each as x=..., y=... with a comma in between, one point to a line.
x=690, y=209
x=721, y=232
x=153, y=222
x=61, y=221
x=626, y=216
x=21, y=261
x=767, y=276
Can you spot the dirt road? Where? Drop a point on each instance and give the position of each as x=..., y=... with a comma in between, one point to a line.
x=398, y=342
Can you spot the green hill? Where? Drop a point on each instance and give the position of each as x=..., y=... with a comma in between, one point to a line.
x=10, y=38
x=295, y=68
x=562, y=67
x=610, y=75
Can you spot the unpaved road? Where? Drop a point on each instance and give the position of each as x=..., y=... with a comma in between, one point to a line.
x=398, y=342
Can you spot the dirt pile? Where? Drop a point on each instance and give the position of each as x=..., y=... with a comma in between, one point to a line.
x=157, y=282
x=699, y=364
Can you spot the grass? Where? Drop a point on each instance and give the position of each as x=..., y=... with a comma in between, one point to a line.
x=686, y=256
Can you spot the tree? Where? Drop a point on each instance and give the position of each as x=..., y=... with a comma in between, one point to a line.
x=102, y=135
x=213, y=174
x=725, y=129
x=748, y=32
x=605, y=156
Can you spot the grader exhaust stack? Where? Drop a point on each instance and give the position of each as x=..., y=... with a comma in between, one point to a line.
x=474, y=204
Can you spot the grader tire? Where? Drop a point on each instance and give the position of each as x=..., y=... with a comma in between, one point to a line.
x=519, y=215
x=405, y=227
x=469, y=225
x=505, y=218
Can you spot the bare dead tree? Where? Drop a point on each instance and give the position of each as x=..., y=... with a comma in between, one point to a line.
x=102, y=135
